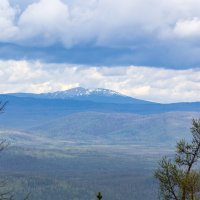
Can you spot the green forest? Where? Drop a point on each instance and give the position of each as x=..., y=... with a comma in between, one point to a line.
x=108, y=171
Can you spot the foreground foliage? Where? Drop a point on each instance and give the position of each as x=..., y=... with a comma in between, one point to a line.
x=178, y=177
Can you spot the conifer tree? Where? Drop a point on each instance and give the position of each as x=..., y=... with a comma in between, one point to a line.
x=178, y=177
x=99, y=196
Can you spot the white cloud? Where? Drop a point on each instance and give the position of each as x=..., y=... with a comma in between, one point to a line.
x=44, y=19
x=7, y=16
x=160, y=85
x=188, y=28
x=105, y=22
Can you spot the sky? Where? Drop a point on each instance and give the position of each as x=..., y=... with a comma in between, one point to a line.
x=145, y=49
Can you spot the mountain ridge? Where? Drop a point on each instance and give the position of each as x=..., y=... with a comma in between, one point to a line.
x=79, y=93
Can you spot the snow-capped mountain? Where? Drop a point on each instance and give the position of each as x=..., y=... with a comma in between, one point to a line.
x=83, y=94
x=80, y=92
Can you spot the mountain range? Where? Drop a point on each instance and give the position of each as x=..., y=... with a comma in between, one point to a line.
x=82, y=94
x=95, y=116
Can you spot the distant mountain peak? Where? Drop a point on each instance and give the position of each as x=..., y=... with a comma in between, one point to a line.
x=80, y=91
x=83, y=94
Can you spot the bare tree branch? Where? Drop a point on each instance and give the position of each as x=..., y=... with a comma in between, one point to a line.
x=2, y=106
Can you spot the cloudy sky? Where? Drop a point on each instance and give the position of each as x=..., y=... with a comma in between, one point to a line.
x=145, y=49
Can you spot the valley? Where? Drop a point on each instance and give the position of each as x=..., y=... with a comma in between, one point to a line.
x=70, y=149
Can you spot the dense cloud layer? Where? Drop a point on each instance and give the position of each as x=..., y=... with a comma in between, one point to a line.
x=161, y=85
x=162, y=33
x=104, y=22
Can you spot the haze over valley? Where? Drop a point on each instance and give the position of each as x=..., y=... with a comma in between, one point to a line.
x=79, y=140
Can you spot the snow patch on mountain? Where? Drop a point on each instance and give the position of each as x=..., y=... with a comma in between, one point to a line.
x=79, y=91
